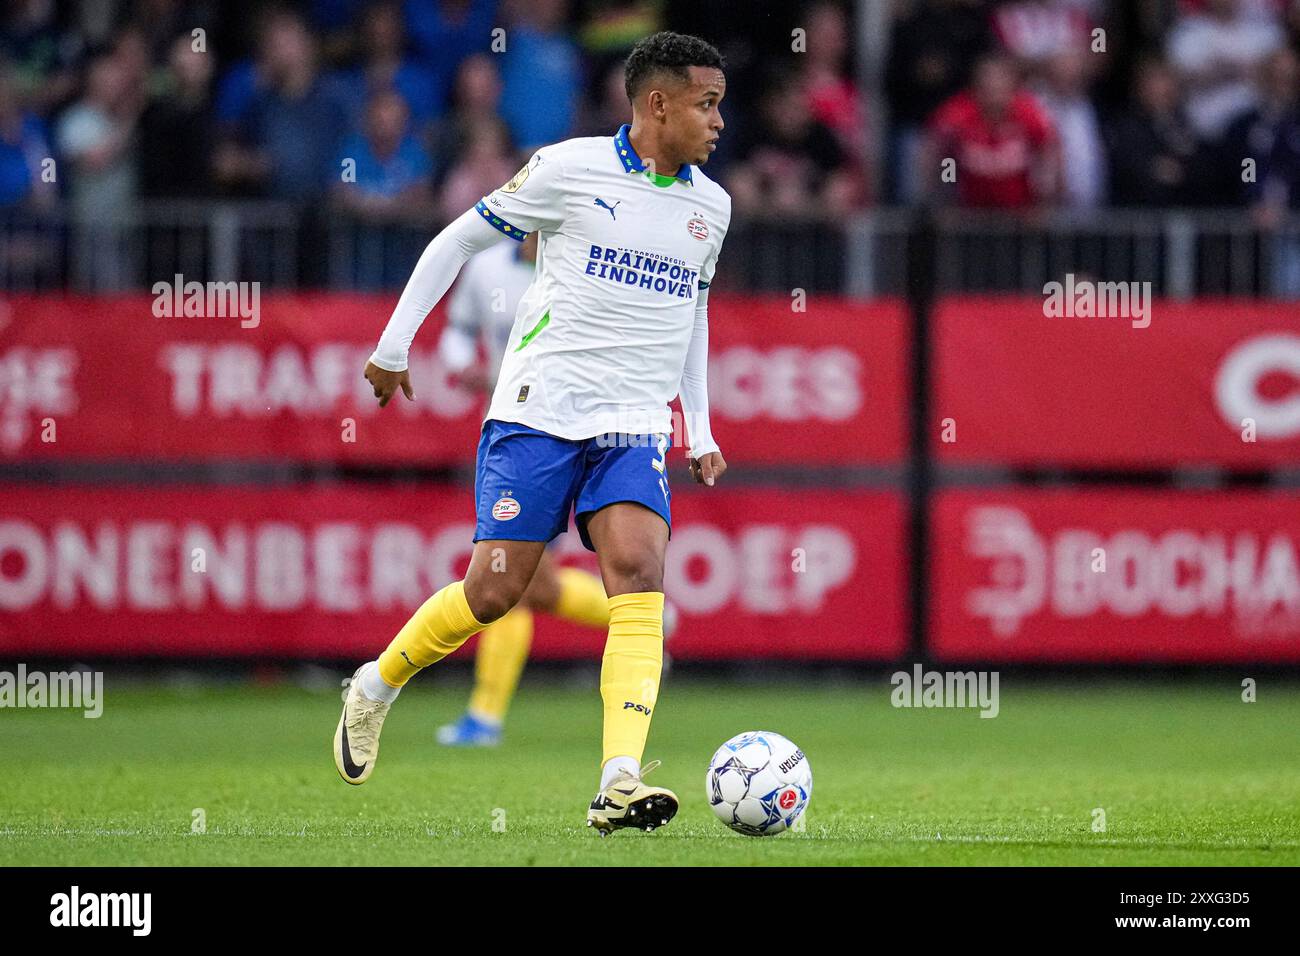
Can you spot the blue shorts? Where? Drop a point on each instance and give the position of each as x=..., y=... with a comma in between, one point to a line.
x=527, y=481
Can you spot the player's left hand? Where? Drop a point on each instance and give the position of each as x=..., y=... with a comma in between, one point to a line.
x=707, y=470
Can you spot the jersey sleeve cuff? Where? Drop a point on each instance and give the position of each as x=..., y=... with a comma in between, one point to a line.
x=702, y=450
x=387, y=364
x=497, y=223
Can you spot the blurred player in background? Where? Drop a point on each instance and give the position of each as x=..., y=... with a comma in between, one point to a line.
x=482, y=311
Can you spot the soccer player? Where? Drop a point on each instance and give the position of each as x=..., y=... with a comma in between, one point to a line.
x=613, y=325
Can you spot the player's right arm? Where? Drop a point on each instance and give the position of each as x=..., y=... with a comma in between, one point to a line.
x=434, y=273
x=531, y=200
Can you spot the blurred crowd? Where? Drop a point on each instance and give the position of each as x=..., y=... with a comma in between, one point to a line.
x=1083, y=104
x=393, y=110
x=410, y=110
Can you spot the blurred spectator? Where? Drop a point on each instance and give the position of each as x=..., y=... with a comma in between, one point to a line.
x=44, y=55
x=929, y=61
x=1255, y=133
x=1155, y=156
x=392, y=171
x=612, y=110
x=132, y=51
x=96, y=137
x=1035, y=32
x=177, y=129
x=486, y=162
x=1274, y=130
x=235, y=91
x=610, y=30
x=832, y=94
x=23, y=150
x=159, y=22
x=445, y=32
x=334, y=21
x=294, y=122
x=1216, y=52
x=1005, y=147
x=790, y=163
x=386, y=65
x=477, y=94
x=1064, y=94
x=541, y=74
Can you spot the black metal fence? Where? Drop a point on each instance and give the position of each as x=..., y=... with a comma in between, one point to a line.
x=1181, y=253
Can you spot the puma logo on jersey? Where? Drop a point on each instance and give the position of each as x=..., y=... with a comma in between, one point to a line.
x=604, y=205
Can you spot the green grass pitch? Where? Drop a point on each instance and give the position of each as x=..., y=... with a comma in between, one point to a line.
x=1186, y=773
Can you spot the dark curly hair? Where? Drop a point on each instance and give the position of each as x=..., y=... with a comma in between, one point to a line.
x=667, y=52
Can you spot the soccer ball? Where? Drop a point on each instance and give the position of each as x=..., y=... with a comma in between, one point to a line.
x=758, y=783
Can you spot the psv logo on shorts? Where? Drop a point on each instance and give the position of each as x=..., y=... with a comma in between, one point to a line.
x=505, y=508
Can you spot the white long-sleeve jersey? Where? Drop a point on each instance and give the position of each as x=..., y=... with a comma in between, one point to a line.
x=615, y=321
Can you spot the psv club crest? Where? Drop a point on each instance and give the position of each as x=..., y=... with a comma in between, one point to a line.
x=505, y=508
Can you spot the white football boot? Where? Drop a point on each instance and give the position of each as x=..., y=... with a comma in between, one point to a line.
x=356, y=742
x=628, y=802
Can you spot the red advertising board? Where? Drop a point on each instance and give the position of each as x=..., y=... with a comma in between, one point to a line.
x=1203, y=382
x=333, y=571
x=105, y=379
x=1116, y=576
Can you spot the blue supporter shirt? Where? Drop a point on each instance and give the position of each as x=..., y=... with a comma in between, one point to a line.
x=541, y=77
x=389, y=177
x=300, y=136
x=416, y=84
x=442, y=44
x=20, y=162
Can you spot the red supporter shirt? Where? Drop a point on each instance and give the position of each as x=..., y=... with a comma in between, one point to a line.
x=994, y=160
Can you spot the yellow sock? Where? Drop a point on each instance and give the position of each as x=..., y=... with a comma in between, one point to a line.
x=442, y=624
x=582, y=598
x=629, y=672
x=502, y=651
